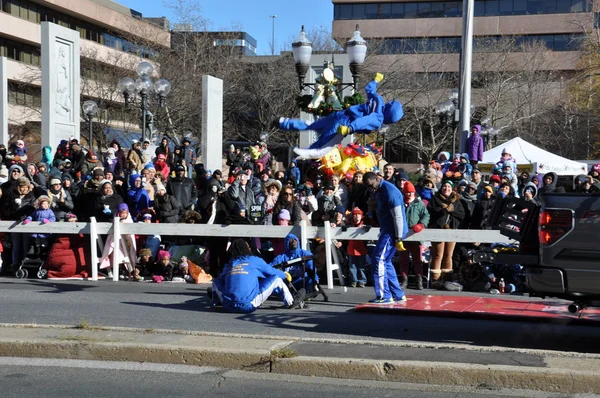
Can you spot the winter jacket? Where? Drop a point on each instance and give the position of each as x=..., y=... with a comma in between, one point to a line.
x=184, y=190
x=552, y=186
x=294, y=209
x=167, y=208
x=297, y=270
x=163, y=168
x=134, y=160
x=41, y=215
x=416, y=213
x=113, y=201
x=121, y=158
x=482, y=213
x=240, y=279
x=137, y=198
x=440, y=217
x=475, y=145
x=60, y=208
x=293, y=172
x=357, y=247
x=244, y=196
x=19, y=211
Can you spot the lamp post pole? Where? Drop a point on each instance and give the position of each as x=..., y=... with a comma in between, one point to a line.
x=91, y=137
x=144, y=96
x=272, y=33
x=90, y=108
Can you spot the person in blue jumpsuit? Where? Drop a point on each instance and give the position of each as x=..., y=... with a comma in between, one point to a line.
x=393, y=228
x=300, y=274
x=362, y=118
x=247, y=281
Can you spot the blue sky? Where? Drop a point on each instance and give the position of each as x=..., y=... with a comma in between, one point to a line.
x=252, y=16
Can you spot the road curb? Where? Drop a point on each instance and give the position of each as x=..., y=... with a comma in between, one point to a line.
x=562, y=374
x=253, y=360
x=488, y=376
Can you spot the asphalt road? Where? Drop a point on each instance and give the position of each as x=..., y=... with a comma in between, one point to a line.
x=185, y=306
x=31, y=377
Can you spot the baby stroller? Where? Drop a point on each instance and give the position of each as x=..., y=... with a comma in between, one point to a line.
x=303, y=277
x=34, y=261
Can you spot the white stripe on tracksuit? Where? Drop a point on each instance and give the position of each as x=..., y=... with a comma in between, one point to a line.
x=381, y=269
x=288, y=299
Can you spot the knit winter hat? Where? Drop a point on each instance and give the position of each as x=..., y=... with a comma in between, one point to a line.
x=285, y=215
x=162, y=254
x=3, y=171
x=488, y=188
x=408, y=187
x=122, y=207
x=160, y=187
x=20, y=143
x=55, y=181
x=357, y=210
x=145, y=252
x=98, y=172
x=42, y=198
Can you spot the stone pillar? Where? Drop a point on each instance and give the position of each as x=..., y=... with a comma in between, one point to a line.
x=4, y=101
x=60, y=84
x=212, y=123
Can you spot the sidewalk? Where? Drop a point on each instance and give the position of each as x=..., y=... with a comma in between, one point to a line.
x=399, y=362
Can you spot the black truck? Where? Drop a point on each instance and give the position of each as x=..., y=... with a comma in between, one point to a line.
x=559, y=244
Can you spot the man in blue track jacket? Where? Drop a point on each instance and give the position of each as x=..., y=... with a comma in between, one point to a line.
x=393, y=228
x=247, y=281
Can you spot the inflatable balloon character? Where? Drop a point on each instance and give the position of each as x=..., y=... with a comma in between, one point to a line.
x=362, y=119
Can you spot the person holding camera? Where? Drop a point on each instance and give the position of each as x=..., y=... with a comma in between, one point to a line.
x=241, y=192
x=445, y=212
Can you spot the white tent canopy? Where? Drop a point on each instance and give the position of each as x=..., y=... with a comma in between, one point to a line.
x=525, y=153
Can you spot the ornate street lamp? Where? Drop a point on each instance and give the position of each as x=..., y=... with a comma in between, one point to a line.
x=90, y=108
x=144, y=87
x=356, y=49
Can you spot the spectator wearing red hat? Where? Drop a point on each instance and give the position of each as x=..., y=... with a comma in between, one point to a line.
x=417, y=217
x=161, y=165
x=495, y=181
x=357, y=251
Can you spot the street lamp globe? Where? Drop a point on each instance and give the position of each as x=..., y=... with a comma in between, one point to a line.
x=127, y=85
x=144, y=69
x=356, y=48
x=302, y=48
x=302, y=51
x=162, y=87
x=90, y=108
x=454, y=95
x=143, y=84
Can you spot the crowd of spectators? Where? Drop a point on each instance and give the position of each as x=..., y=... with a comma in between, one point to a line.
x=168, y=185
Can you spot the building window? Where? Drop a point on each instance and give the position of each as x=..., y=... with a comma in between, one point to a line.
x=441, y=9
x=33, y=12
x=449, y=45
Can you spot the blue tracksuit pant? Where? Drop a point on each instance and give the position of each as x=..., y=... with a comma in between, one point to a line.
x=385, y=279
x=267, y=286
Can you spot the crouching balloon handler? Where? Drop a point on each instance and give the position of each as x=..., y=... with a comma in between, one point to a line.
x=247, y=281
x=393, y=228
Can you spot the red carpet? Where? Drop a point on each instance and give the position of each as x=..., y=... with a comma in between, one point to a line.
x=486, y=308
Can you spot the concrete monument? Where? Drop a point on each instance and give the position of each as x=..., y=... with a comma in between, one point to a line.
x=60, y=84
x=3, y=101
x=212, y=123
